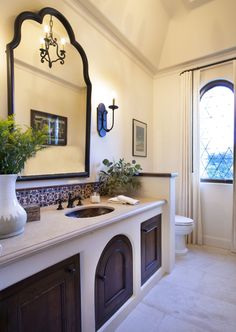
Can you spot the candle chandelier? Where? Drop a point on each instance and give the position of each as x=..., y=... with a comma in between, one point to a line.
x=49, y=41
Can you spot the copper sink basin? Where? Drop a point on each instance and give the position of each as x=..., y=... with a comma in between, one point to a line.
x=89, y=212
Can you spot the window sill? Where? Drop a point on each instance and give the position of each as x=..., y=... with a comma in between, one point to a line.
x=216, y=181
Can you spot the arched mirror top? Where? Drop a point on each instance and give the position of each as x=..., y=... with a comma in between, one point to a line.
x=28, y=85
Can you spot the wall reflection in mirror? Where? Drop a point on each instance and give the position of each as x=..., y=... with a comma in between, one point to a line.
x=55, y=95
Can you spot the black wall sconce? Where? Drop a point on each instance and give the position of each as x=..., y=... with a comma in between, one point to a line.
x=102, y=118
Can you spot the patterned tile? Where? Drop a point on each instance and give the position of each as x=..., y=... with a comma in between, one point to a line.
x=49, y=195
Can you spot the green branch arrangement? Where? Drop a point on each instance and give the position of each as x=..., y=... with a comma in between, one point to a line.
x=18, y=145
x=120, y=178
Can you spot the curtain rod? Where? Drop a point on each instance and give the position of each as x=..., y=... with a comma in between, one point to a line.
x=209, y=65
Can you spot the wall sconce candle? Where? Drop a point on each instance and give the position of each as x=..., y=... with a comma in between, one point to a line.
x=48, y=41
x=102, y=118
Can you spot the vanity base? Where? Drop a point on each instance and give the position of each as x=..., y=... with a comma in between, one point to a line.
x=47, y=301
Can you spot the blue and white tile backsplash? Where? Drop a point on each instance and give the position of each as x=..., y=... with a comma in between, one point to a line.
x=45, y=196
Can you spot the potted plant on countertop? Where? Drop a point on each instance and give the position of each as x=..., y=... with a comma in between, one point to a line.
x=120, y=178
x=16, y=147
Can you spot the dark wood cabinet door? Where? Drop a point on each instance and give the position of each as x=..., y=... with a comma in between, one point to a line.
x=49, y=301
x=114, y=278
x=150, y=247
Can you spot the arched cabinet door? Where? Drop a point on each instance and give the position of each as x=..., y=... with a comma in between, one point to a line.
x=113, y=279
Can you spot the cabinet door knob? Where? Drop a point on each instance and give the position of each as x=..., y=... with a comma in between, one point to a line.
x=101, y=277
x=71, y=269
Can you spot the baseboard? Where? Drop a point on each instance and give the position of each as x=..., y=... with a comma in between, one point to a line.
x=216, y=242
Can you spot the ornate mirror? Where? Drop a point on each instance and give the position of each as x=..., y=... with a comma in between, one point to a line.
x=49, y=84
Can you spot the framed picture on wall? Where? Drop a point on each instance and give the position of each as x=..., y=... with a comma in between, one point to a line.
x=139, y=144
x=57, y=126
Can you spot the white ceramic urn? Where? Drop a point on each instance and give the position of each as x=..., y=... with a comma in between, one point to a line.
x=12, y=215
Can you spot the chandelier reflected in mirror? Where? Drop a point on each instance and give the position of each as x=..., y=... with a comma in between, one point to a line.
x=49, y=49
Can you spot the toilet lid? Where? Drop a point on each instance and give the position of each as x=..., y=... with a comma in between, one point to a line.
x=183, y=221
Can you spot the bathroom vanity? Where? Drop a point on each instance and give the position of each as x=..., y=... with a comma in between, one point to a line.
x=85, y=274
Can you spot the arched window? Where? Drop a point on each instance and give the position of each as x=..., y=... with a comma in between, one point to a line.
x=216, y=131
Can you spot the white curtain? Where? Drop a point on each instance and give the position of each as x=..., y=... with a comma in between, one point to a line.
x=233, y=242
x=189, y=203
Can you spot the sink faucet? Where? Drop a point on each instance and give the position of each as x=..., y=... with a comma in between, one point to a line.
x=71, y=200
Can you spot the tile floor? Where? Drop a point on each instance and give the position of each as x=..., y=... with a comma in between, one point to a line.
x=198, y=296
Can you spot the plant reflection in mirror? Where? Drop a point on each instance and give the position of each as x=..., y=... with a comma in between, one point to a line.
x=18, y=145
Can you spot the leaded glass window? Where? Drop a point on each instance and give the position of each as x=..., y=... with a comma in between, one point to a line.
x=216, y=131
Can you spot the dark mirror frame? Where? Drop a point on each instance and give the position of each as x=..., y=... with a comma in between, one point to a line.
x=38, y=17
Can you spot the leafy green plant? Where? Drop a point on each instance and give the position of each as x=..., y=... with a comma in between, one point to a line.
x=120, y=177
x=18, y=145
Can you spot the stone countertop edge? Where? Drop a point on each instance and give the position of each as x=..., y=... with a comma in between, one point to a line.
x=38, y=235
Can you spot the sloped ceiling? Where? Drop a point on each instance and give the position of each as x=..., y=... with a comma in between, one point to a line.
x=173, y=7
x=149, y=26
x=143, y=22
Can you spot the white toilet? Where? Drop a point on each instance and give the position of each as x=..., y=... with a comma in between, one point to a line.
x=183, y=226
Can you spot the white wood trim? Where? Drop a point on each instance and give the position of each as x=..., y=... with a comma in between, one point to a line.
x=101, y=23
x=177, y=69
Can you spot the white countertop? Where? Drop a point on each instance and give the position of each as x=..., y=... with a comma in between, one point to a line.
x=54, y=227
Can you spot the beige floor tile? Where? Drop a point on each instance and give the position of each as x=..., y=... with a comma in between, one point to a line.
x=172, y=324
x=199, y=295
x=190, y=306
x=143, y=318
x=218, y=288
x=187, y=277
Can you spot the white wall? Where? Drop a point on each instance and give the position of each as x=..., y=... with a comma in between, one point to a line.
x=166, y=123
x=217, y=208
x=110, y=69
